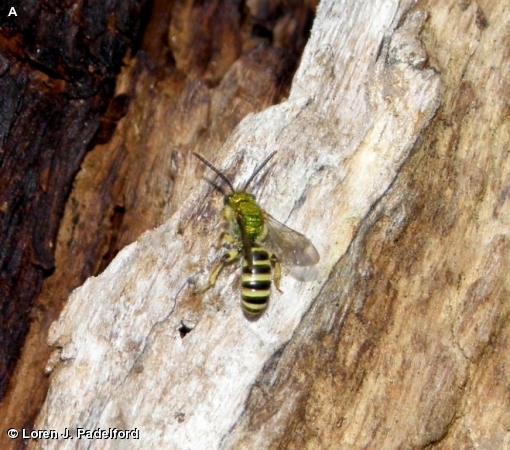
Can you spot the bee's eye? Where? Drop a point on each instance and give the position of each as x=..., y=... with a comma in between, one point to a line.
x=226, y=199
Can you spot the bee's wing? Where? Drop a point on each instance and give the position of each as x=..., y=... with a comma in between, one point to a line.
x=290, y=247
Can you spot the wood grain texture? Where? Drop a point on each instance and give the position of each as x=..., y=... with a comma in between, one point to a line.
x=392, y=157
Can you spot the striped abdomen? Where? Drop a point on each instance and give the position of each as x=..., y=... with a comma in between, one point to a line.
x=256, y=282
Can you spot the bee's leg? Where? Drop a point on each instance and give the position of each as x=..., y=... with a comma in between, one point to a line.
x=227, y=258
x=277, y=273
x=225, y=237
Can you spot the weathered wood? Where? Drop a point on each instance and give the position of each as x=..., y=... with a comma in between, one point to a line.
x=392, y=158
x=136, y=181
x=406, y=345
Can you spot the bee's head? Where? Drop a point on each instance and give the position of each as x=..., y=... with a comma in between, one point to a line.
x=233, y=200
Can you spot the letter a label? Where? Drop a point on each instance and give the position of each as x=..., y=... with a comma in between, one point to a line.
x=12, y=12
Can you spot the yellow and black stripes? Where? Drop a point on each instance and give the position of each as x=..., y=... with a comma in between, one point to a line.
x=256, y=281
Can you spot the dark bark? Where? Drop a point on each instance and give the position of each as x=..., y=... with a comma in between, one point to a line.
x=57, y=74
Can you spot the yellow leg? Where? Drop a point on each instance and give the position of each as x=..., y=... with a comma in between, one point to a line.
x=225, y=236
x=277, y=273
x=227, y=258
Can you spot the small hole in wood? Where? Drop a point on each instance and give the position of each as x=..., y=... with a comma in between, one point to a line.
x=184, y=330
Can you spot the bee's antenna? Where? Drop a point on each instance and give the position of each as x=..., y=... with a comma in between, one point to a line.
x=258, y=169
x=223, y=177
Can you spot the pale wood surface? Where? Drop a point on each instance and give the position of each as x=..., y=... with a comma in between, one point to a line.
x=393, y=159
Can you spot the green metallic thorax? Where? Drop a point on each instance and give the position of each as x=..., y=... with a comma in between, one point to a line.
x=241, y=208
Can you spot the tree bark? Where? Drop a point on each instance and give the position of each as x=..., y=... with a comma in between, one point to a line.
x=198, y=70
x=393, y=159
x=57, y=68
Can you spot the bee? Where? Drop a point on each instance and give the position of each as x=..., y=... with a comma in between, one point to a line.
x=261, y=241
